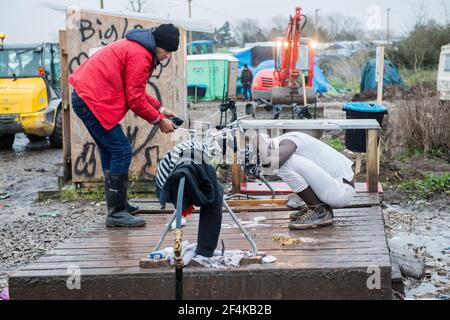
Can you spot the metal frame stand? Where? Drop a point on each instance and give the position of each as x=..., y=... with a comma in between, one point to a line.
x=177, y=215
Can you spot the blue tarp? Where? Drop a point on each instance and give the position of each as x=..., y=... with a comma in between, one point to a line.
x=391, y=75
x=320, y=83
x=268, y=64
x=244, y=57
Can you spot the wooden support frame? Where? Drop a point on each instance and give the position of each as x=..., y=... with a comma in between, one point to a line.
x=65, y=95
x=236, y=173
x=380, y=74
x=372, y=160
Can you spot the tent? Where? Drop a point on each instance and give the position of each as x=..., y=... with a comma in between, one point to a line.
x=320, y=83
x=391, y=75
x=254, y=55
x=211, y=76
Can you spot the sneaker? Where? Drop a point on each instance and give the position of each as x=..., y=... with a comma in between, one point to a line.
x=294, y=216
x=322, y=216
x=294, y=201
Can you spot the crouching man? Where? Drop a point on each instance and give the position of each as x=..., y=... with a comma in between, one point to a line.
x=322, y=177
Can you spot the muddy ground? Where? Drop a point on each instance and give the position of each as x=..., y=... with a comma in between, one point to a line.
x=28, y=228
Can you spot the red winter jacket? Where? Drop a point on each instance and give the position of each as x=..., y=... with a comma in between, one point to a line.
x=114, y=80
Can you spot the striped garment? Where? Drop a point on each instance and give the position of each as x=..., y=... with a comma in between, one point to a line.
x=191, y=152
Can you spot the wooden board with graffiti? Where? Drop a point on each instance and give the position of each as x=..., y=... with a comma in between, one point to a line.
x=87, y=31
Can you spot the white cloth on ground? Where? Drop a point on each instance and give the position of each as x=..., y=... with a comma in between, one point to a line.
x=230, y=259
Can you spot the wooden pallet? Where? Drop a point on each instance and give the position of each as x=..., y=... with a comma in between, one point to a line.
x=329, y=263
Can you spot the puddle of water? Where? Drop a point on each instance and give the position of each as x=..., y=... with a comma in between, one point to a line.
x=424, y=232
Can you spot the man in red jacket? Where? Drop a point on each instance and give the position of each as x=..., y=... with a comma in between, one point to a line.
x=106, y=86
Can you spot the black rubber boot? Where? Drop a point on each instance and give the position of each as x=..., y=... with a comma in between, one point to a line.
x=322, y=216
x=132, y=209
x=116, y=203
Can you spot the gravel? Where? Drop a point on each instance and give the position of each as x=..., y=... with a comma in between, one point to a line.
x=25, y=239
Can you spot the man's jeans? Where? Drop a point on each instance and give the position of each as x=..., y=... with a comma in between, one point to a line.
x=115, y=150
x=247, y=89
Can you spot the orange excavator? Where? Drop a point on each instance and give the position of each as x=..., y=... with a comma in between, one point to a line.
x=290, y=81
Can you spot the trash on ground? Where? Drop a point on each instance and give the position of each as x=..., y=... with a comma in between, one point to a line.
x=286, y=240
x=4, y=195
x=45, y=214
x=268, y=259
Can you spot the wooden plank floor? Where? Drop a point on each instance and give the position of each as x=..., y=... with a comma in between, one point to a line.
x=330, y=263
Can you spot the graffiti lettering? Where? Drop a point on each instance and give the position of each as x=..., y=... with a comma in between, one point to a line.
x=111, y=33
x=86, y=30
x=77, y=61
x=125, y=28
x=132, y=136
x=148, y=161
x=86, y=164
x=155, y=89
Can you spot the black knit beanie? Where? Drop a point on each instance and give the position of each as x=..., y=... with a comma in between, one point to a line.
x=167, y=37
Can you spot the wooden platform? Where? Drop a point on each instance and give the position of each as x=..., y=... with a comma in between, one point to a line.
x=330, y=263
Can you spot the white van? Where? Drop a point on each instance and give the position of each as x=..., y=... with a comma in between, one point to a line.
x=443, y=83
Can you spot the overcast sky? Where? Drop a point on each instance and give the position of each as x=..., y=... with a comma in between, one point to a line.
x=27, y=21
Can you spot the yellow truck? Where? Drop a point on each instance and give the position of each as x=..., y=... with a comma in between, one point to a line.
x=30, y=100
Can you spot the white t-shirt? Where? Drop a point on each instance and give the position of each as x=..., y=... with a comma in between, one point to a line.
x=332, y=161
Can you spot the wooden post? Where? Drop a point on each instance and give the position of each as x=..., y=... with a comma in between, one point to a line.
x=305, y=99
x=236, y=173
x=380, y=74
x=372, y=161
x=358, y=163
x=65, y=94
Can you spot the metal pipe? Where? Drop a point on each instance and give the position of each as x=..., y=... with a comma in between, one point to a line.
x=246, y=234
x=179, y=209
x=166, y=230
x=178, y=242
x=268, y=185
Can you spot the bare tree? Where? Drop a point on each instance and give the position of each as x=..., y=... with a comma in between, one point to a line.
x=421, y=13
x=249, y=31
x=376, y=35
x=446, y=12
x=276, y=27
x=340, y=27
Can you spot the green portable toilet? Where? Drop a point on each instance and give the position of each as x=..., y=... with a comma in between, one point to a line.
x=211, y=76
